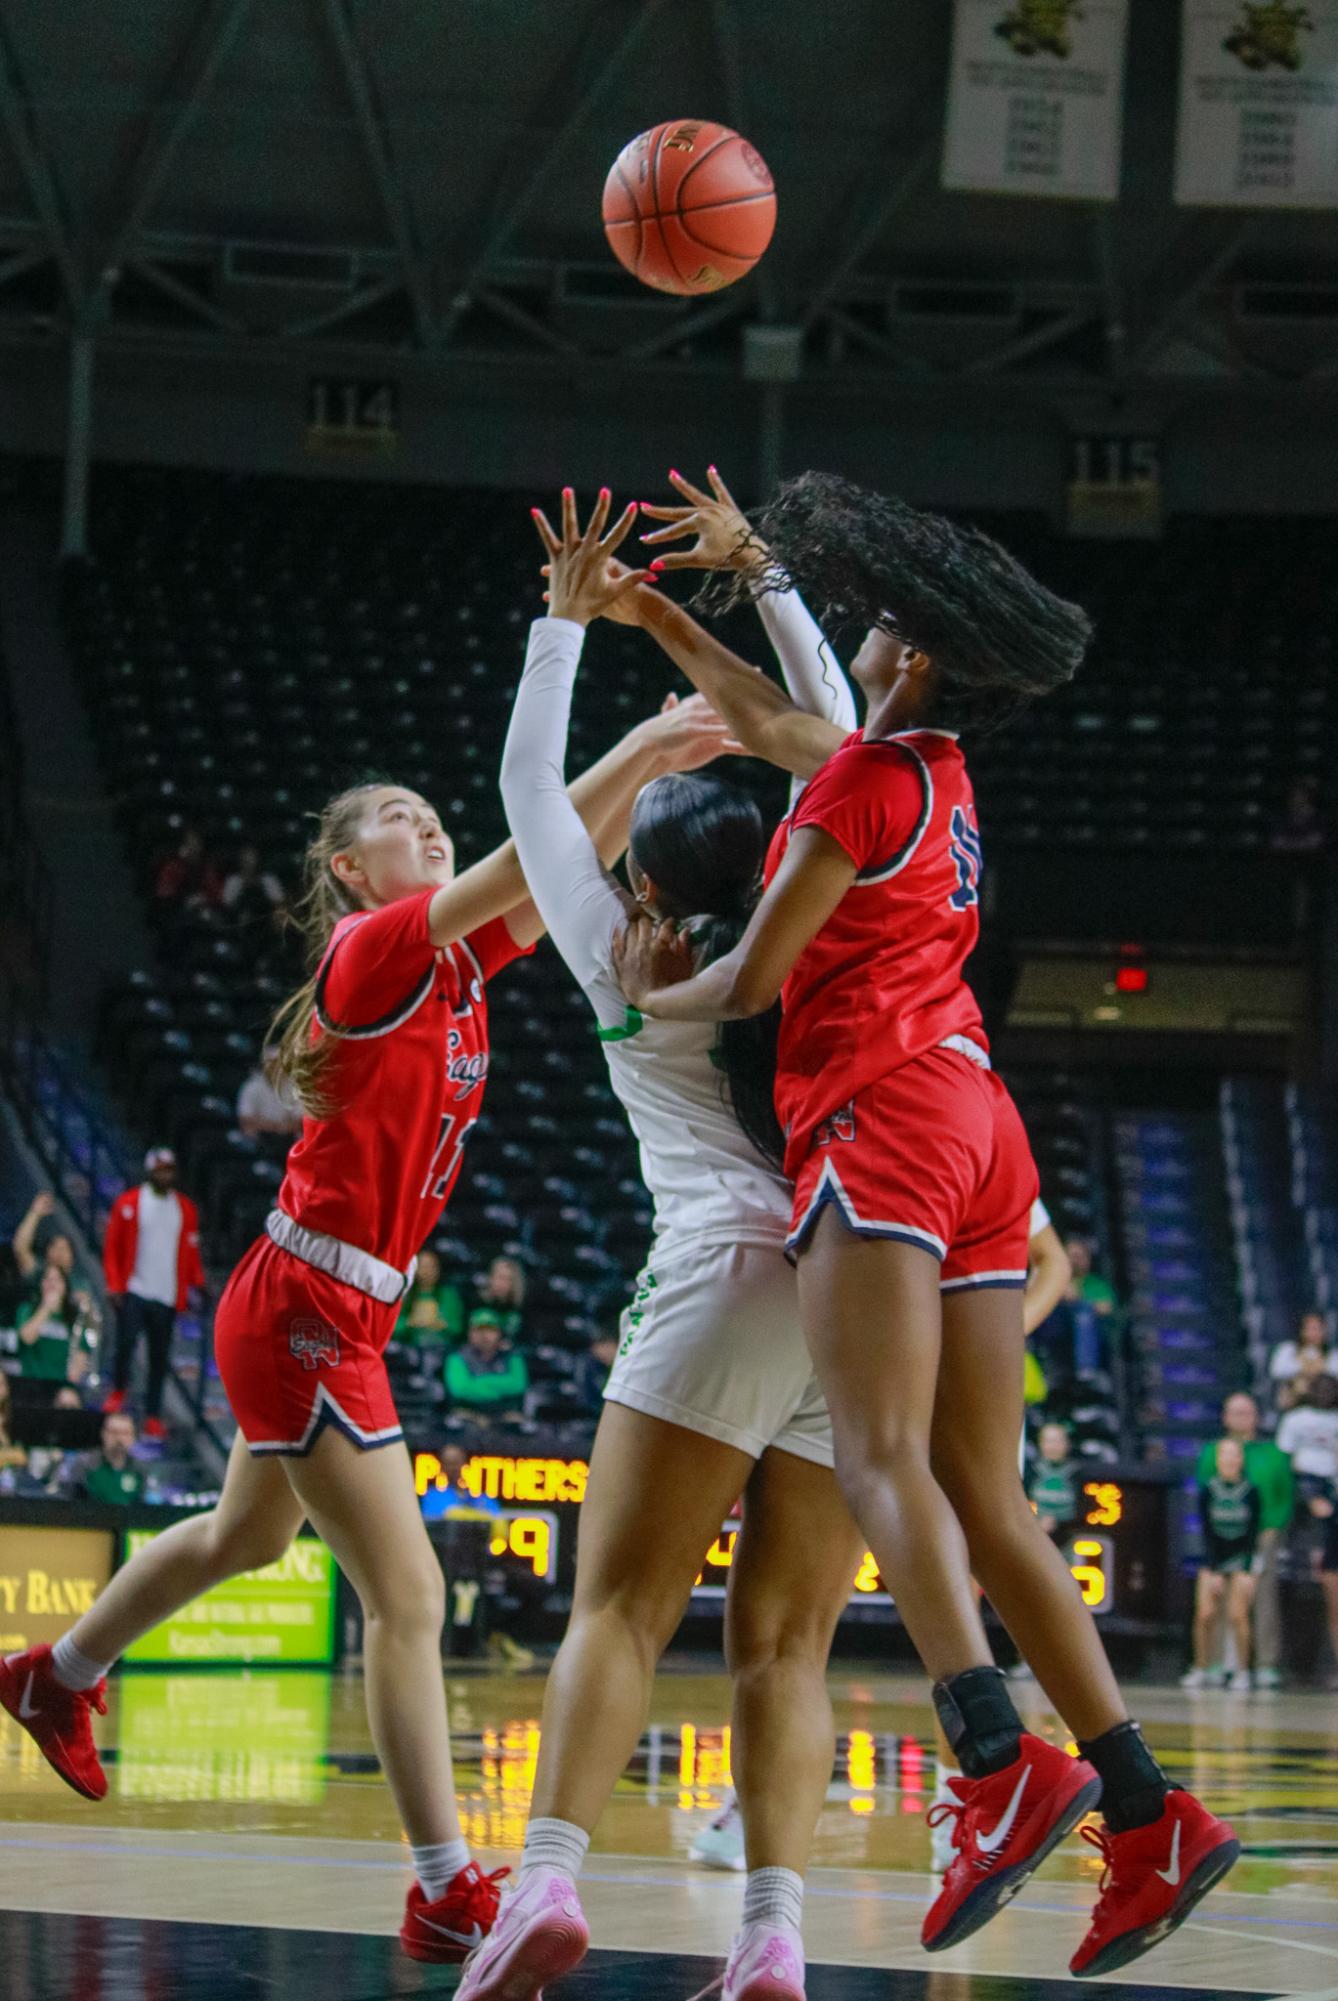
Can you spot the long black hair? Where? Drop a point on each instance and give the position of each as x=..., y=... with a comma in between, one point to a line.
x=700, y=841
x=994, y=634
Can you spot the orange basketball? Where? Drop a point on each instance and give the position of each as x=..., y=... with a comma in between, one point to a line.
x=689, y=206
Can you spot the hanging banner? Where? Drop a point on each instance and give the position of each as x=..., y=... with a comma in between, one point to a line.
x=1035, y=99
x=1258, y=104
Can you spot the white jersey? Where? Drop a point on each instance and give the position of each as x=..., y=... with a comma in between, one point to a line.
x=708, y=1182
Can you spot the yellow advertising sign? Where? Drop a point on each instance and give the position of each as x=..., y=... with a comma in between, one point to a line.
x=48, y=1577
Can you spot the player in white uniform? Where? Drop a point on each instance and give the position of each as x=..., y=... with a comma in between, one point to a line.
x=712, y=1393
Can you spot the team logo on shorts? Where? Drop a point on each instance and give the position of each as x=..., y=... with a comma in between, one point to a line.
x=314, y=1342
x=841, y=1125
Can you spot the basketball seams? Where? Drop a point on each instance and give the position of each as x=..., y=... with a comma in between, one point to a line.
x=655, y=199
x=714, y=147
x=630, y=192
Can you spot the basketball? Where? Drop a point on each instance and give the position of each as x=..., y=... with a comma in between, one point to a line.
x=689, y=206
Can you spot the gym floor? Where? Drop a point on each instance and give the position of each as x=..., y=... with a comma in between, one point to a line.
x=248, y=1847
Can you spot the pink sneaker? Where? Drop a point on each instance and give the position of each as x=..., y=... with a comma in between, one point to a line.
x=540, y=1934
x=765, y=1960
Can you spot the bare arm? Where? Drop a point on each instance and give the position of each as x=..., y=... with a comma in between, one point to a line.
x=23, y=1241
x=808, y=885
x=1047, y=1277
x=763, y=718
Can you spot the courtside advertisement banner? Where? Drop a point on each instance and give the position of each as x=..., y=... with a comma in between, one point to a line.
x=1258, y=104
x=282, y=1616
x=1036, y=97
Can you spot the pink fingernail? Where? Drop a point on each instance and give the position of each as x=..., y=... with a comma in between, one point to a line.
x=710, y=468
x=603, y=493
x=673, y=474
x=656, y=567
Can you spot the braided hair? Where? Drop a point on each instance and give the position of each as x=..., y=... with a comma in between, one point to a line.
x=995, y=636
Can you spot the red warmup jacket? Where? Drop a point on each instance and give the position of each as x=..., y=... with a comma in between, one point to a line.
x=122, y=1239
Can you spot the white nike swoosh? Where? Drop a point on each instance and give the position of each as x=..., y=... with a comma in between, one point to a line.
x=990, y=1842
x=472, y=1937
x=28, y=1708
x=1172, y=1875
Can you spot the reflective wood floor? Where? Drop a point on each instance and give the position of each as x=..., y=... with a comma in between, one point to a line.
x=248, y=1831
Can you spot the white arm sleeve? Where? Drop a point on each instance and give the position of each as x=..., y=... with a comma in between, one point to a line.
x=566, y=878
x=813, y=675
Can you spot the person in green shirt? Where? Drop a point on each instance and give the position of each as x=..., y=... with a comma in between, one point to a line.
x=111, y=1475
x=430, y=1309
x=1053, y=1486
x=503, y=1290
x=482, y=1379
x=1270, y=1471
x=46, y=1331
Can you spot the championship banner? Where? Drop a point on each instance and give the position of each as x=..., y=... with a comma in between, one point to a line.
x=1258, y=104
x=1036, y=97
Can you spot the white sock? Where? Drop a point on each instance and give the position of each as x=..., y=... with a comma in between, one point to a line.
x=773, y=1897
x=554, y=1844
x=436, y=1865
x=73, y=1669
x=942, y=1773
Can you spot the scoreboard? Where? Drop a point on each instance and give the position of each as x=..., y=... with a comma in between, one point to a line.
x=1124, y=1552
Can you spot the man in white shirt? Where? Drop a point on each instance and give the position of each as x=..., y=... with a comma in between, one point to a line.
x=151, y=1261
x=263, y=1108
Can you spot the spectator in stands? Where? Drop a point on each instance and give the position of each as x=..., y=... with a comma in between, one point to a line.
x=266, y=1108
x=110, y=1474
x=1300, y=831
x=1054, y=1486
x=592, y=1371
x=253, y=898
x=1088, y=1303
x=1308, y=1434
x=252, y=892
x=11, y=1455
x=453, y=1501
x=1229, y=1512
x=188, y=875
x=151, y=1259
x=482, y=1380
x=1269, y=1471
x=1325, y=1508
x=35, y=1248
x=51, y=1349
x=1311, y=1365
x=504, y=1291
x=431, y=1308
x=1309, y=1351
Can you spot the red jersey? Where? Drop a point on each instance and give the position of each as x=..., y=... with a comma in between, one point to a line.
x=407, y=1075
x=882, y=981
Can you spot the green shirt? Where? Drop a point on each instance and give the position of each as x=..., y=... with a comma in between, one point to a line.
x=1096, y=1291
x=1054, y=1489
x=450, y=1314
x=1268, y=1469
x=116, y=1486
x=47, y=1359
x=499, y=1386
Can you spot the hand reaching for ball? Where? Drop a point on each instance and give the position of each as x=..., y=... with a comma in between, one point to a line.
x=584, y=581
x=725, y=540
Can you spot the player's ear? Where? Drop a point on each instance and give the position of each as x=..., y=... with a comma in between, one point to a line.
x=344, y=866
x=913, y=661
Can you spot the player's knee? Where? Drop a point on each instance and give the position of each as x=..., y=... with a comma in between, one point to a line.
x=409, y=1602
x=891, y=1455
x=762, y=1636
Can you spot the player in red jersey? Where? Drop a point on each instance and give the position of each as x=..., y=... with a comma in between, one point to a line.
x=913, y=1179
x=387, y=1044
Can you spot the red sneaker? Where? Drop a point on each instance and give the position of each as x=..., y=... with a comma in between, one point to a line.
x=1153, y=1878
x=1006, y=1826
x=448, y=1928
x=56, y=1718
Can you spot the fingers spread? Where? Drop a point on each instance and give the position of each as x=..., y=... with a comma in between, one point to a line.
x=571, y=528
x=546, y=535
x=719, y=489
x=595, y=526
x=665, y=513
x=692, y=493
x=620, y=529
x=686, y=526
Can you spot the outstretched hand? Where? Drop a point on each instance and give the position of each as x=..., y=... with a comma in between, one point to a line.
x=583, y=581
x=689, y=734
x=725, y=540
x=647, y=956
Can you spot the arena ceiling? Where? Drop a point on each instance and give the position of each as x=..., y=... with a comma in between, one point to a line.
x=410, y=177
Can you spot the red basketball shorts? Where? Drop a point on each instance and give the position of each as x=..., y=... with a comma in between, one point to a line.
x=933, y=1154
x=298, y=1350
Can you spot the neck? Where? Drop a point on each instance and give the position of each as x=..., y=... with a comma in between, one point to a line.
x=904, y=705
